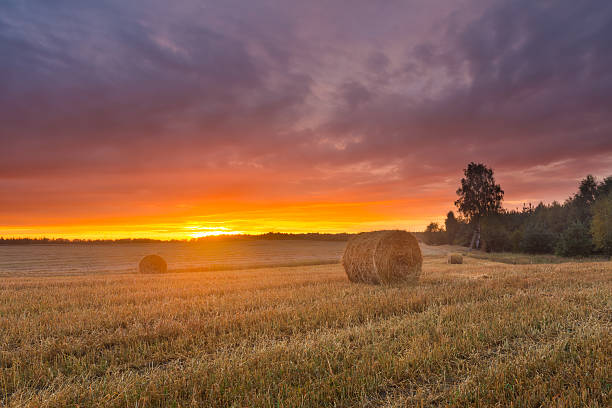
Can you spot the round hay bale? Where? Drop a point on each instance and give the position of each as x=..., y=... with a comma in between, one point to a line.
x=455, y=259
x=383, y=257
x=152, y=264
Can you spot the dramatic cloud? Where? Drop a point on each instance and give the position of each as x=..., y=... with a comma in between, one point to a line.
x=311, y=116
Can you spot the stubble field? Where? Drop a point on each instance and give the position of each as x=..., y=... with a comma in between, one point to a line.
x=482, y=333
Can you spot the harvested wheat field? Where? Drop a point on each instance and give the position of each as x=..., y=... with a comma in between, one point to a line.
x=481, y=333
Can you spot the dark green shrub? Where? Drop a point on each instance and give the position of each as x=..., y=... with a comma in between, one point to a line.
x=464, y=235
x=452, y=227
x=575, y=241
x=515, y=240
x=538, y=239
x=601, y=225
x=434, y=235
x=495, y=237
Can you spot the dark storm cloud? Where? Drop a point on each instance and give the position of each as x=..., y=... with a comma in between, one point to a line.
x=330, y=94
x=525, y=84
x=110, y=82
x=527, y=71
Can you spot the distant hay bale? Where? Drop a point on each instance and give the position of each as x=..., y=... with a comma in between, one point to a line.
x=455, y=259
x=383, y=257
x=152, y=264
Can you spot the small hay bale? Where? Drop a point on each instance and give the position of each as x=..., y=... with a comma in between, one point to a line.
x=152, y=264
x=383, y=257
x=455, y=259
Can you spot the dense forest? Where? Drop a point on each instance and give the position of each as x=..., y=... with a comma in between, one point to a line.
x=580, y=226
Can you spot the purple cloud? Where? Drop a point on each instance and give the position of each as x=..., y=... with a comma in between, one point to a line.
x=387, y=99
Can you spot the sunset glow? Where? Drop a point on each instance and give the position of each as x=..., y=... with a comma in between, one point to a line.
x=199, y=231
x=238, y=117
x=324, y=217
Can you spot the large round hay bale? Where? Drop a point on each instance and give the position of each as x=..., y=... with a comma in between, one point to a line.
x=383, y=257
x=152, y=264
x=455, y=259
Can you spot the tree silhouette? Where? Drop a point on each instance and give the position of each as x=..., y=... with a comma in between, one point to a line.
x=478, y=196
x=452, y=227
x=582, y=202
x=605, y=187
x=601, y=226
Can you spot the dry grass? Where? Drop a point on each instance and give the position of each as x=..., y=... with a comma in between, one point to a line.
x=80, y=259
x=526, y=259
x=479, y=333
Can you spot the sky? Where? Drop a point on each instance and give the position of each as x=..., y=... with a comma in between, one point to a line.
x=181, y=119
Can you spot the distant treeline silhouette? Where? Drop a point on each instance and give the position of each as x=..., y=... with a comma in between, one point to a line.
x=271, y=236
x=61, y=241
x=581, y=226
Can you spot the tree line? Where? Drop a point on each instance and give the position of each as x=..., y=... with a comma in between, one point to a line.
x=269, y=236
x=580, y=226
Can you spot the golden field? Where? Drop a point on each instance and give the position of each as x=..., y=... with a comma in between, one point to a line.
x=79, y=259
x=478, y=334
